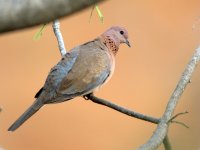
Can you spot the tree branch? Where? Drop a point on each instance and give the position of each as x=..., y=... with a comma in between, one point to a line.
x=179, y=114
x=162, y=128
x=61, y=44
x=160, y=134
x=122, y=109
x=166, y=143
x=180, y=123
x=18, y=14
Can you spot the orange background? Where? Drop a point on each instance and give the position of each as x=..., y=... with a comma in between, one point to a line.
x=163, y=34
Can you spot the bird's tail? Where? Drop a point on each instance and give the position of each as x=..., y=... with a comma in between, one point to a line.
x=27, y=114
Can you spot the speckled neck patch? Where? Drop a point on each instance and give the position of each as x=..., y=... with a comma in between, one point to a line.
x=111, y=45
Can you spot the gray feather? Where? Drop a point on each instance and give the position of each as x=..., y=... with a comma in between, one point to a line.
x=27, y=114
x=81, y=71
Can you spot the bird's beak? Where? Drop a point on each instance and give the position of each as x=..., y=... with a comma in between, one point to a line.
x=127, y=42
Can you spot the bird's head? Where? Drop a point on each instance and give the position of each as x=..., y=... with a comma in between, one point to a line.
x=118, y=34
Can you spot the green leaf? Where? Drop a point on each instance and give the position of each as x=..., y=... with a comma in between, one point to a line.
x=99, y=13
x=38, y=34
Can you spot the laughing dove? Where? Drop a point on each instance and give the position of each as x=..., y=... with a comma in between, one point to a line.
x=81, y=71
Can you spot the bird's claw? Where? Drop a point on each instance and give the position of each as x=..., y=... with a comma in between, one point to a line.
x=87, y=97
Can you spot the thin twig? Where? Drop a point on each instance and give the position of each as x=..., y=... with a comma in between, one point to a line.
x=122, y=109
x=175, y=116
x=180, y=123
x=61, y=44
x=172, y=120
x=166, y=143
x=162, y=128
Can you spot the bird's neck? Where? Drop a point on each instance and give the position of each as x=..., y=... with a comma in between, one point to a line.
x=110, y=43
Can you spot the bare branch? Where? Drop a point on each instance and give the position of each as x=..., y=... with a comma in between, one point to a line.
x=61, y=44
x=122, y=109
x=162, y=128
x=160, y=134
x=18, y=14
x=166, y=143
x=175, y=116
x=180, y=123
x=172, y=120
x=56, y=27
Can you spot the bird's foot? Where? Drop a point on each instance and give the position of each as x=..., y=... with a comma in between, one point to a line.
x=87, y=97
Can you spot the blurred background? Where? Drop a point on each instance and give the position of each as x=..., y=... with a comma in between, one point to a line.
x=163, y=35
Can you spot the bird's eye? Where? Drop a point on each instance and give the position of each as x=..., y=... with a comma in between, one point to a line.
x=122, y=32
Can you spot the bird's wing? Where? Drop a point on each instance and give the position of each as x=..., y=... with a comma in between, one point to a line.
x=56, y=75
x=90, y=70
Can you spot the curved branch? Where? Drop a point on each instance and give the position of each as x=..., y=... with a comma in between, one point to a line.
x=61, y=45
x=122, y=109
x=160, y=134
x=180, y=123
x=162, y=128
x=177, y=115
x=18, y=14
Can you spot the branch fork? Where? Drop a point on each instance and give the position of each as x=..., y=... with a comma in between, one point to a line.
x=160, y=134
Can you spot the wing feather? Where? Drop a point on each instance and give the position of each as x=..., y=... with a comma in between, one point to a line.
x=91, y=69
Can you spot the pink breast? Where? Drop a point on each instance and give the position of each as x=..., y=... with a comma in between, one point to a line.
x=112, y=59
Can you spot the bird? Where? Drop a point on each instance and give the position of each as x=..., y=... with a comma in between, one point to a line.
x=81, y=71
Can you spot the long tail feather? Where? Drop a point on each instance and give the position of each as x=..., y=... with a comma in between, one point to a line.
x=26, y=115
